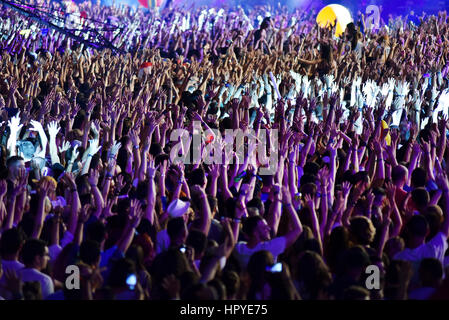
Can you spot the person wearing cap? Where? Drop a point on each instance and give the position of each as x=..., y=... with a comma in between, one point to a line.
x=176, y=209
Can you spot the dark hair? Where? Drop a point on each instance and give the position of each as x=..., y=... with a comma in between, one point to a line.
x=232, y=282
x=31, y=249
x=430, y=272
x=12, y=159
x=257, y=265
x=198, y=241
x=169, y=262
x=120, y=271
x=313, y=275
x=250, y=225
x=175, y=226
x=354, y=258
x=265, y=23
x=219, y=287
x=11, y=241
x=338, y=243
x=32, y=290
x=198, y=177
x=311, y=168
x=89, y=252
x=419, y=177
x=434, y=217
x=418, y=226
x=135, y=254
x=420, y=197
x=96, y=231
x=200, y=291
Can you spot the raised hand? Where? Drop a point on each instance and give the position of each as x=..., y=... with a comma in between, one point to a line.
x=75, y=154
x=53, y=129
x=65, y=146
x=309, y=202
x=93, y=177
x=113, y=151
x=93, y=146
x=136, y=213
x=36, y=126
x=14, y=124
x=151, y=169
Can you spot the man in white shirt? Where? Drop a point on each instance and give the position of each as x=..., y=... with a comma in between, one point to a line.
x=35, y=257
x=418, y=229
x=258, y=233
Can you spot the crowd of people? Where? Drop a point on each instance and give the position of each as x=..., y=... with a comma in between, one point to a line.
x=91, y=178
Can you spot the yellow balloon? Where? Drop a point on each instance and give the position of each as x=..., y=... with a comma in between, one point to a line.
x=387, y=137
x=334, y=12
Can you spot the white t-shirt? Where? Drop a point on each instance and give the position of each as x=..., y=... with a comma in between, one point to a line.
x=30, y=274
x=8, y=265
x=276, y=246
x=435, y=248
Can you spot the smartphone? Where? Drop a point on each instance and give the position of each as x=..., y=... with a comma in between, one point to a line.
x=183, y=249
x=276, y=268
x=131, y=281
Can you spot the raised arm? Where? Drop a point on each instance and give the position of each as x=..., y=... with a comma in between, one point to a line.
x=205, y=215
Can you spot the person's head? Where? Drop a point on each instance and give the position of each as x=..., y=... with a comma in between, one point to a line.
x=257, y=204
x=417, y=230
x=419, y=177
x=337, y=244
x=430, y=272
x=90, y=253
x=434, y=217
x=394, y=278
x=35, y=254
x=219, y=287
x=13, y=164
x=32, y=290
x=136, y=255
x=257, y=265
x=326, y=52
x=231, y=281
x=379, y=197
x=256, y=229
x=265, y=23
x=313, y=275
x=11, y=242
x=354, y=262
x=198, y=241
x=399, y=175
x=177, y=231
x=421, y=198
x=96, y=231
x=198, y=177
x=119, y=273
x=199, y=292
x=362, y=230
x=393, y=246
x=170, y=262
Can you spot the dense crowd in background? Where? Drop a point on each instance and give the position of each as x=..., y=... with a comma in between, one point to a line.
x=88, y=179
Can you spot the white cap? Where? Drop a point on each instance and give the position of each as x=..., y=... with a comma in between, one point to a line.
x=177, y=208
